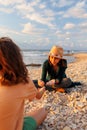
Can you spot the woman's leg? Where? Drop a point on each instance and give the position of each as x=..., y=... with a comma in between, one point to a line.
x=65, y=83
x=39, y=115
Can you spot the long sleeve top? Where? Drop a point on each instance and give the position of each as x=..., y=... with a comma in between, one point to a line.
x=49, y=73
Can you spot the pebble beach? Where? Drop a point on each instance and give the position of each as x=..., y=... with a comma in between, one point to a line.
x=66, y=111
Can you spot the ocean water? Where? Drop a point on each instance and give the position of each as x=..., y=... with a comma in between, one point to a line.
x=39, y=56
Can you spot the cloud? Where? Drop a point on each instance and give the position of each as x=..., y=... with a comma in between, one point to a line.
x=69, y=26
x=28, y=28
x=63, y=3
x=32, y=11
x=83, y=25
x=67, y=38
x=24, y=8
x=7, y=31
x=6, y=10
x=42, y=6
x=45, y=22
x=10, y=2
x=48, y=13
x=40, y=41
x=77, y=11
x=38, y=18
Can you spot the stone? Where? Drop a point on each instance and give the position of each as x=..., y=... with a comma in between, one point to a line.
x=66, y=128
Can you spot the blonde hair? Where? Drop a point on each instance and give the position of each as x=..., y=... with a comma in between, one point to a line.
x=56, y=51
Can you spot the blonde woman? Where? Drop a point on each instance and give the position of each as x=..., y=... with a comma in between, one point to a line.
x=53, y=71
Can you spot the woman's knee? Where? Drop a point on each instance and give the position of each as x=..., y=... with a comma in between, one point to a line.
x=66, y=82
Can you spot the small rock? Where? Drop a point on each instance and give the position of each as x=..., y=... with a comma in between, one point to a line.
x=66, y=128
x=86, y=128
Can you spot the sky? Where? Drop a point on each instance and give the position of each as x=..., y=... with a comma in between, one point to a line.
x=40, y=24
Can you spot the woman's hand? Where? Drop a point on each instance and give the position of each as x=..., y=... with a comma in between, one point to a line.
x=40, y=92
x=51, y=82
x=41, y=83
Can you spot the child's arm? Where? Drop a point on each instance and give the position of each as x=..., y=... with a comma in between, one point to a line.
x=40, y=93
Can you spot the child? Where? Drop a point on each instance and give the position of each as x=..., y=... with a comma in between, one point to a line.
x=53, y=71
x=15, y=87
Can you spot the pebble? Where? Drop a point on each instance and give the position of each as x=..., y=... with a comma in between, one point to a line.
x=66, y=111
x=86, y=128
x=66, y=128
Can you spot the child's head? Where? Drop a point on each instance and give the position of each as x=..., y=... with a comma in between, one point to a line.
x=12, y=68
x=55, y=54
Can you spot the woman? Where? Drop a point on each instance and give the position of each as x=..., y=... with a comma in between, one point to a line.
x=15, y=87
x=53, y=71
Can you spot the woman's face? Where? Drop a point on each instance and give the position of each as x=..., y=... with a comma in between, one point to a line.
x=54, y=60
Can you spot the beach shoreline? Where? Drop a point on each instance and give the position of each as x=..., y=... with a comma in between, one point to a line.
x=67, y=111
x=80, y=56
x=35, y=71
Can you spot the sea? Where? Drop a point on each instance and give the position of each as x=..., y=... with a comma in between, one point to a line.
x=39, y=56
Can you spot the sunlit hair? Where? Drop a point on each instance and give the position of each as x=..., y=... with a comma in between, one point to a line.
x=12, y=67
x=56, y=51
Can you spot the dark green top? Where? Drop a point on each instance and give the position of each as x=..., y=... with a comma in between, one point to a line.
x=49, y=73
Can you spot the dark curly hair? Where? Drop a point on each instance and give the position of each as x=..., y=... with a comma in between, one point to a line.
x=12, y=68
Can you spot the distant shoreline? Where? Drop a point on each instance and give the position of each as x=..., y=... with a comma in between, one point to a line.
x=80, y=56
x=38, y=65
x=68, y=51
x=33, y=65
x=74, y=55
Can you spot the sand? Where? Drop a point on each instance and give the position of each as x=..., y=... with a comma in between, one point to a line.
x=66, y=111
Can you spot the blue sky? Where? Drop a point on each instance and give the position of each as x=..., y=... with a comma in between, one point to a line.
x=40, y=24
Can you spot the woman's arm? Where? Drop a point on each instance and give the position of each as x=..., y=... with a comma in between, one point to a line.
x=33, y=92
x=42, y=81
x=44, y=71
